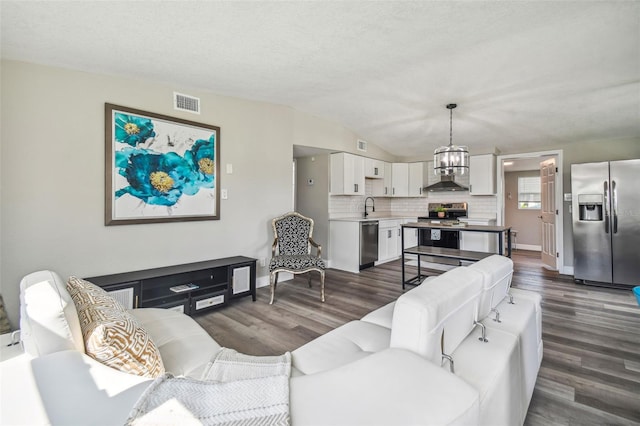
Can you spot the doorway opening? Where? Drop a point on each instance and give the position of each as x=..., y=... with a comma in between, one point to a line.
x=536, y=213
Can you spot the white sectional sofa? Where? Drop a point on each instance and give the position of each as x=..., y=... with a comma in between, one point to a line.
x=387, y=368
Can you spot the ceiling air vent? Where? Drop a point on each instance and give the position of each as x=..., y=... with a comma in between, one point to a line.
x=362, y=145
x=187, y=103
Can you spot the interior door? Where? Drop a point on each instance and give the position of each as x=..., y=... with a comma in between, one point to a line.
x=548, y=210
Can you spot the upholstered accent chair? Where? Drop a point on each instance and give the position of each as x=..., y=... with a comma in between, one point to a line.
x=291, y=250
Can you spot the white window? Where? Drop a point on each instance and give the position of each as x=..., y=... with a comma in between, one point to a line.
x=529, y=193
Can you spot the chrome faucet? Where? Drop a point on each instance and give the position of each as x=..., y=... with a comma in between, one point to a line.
x=373, y=206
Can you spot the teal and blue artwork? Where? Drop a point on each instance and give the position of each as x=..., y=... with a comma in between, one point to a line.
x=162, y=168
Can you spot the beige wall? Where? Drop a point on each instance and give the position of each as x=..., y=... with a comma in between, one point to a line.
x=526, y=222
x=313, y=200
x=52, y=174
x=309, y=130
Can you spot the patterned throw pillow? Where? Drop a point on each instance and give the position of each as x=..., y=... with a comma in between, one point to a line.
x=111, y=335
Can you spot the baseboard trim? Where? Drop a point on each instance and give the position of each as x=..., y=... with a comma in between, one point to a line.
x=264, y=281
x=526, y=247
x=567, y=270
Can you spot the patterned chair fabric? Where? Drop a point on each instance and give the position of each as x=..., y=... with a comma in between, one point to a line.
x=296, y=261
x=291, y=249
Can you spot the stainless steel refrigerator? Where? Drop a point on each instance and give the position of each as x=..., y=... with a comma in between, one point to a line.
x=606, y=222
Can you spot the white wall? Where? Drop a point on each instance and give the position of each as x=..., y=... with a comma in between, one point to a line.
x=52, y=175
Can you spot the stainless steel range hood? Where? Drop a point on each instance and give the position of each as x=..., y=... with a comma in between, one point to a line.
x=446, y=184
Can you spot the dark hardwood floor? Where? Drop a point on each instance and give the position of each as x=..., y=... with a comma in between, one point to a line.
x=590, y=373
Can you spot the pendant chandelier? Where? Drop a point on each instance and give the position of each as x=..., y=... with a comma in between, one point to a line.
x=451, y=160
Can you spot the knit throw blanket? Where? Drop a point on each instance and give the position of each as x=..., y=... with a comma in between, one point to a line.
x=235, y=389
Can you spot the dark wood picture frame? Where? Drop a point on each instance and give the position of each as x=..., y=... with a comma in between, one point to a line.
x=159, y=168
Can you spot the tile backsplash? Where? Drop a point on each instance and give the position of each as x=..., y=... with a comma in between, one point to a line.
x=342, y=206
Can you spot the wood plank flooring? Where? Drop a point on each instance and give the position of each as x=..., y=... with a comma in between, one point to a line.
x=590, y=373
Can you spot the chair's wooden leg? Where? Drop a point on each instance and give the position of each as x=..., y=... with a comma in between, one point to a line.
x=322, y=285
x=273, y=278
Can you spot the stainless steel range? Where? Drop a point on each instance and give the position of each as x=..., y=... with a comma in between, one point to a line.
x=444, y=213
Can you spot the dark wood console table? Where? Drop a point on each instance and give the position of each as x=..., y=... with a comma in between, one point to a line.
x=189, y=288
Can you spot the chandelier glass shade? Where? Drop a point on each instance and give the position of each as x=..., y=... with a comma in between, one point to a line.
x=452, y=159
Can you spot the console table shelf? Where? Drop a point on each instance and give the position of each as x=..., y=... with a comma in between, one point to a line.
x=214, y=283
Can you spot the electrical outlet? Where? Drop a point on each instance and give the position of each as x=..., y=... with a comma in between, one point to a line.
x=263, y=262
x=224, y=194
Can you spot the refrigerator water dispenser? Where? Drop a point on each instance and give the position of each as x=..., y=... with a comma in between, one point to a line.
x=590, y=207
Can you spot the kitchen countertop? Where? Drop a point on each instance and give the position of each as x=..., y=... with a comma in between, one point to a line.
x=479, y=228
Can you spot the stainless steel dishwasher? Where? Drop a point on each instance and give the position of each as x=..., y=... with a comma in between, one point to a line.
x=368, y=243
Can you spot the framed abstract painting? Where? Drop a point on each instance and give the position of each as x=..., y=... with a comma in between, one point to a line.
x=159, y=168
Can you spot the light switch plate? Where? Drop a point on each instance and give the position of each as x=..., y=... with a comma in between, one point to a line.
x=229, y=169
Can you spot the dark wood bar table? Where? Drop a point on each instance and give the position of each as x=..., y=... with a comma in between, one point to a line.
x=451, y=253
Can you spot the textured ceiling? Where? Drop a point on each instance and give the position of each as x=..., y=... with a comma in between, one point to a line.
x=525, y=74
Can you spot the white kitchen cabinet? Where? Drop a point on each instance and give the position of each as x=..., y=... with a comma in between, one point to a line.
x=344, y=245
x=407, y=179
x=400, y=179
x=373, y=168
x=486, y=242
x=482, y=174
x=410, y=238
x=347, y=174
x=382, y=187
x=388, y=236
x=416, y=178
x=388, y=179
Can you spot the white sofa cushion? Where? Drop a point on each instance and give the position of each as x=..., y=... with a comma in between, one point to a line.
x=446, y=304
x=66, y=388
x=536, y=299
x=390, y=387
x=497, y=272
x=48, y=317
x=185, y=347
x=520, y=320
x=347, y=343
x=493, y=368
x=382, y=316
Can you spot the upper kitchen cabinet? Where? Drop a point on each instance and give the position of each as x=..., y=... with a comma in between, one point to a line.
x=382, y=187
x=373, y=169
x=400, y=179
x=482, y=174
x=347, y=174
x=388, y=179
x=416, y=178
x=408, y=179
